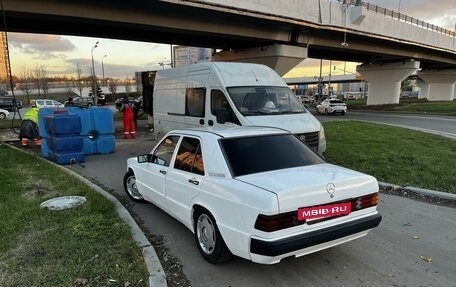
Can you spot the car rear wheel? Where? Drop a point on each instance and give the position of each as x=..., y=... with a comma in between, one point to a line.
x=343, y=112
x=2, y=116
x=130, y=187
x=326, y=111
x=208, y=238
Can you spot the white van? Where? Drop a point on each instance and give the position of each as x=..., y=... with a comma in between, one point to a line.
x=227, y=93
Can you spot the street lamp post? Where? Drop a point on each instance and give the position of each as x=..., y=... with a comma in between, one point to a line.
x=93, y=76
x=102, y=68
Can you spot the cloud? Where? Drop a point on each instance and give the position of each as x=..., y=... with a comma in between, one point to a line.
x=111, y=70
x=41, y=47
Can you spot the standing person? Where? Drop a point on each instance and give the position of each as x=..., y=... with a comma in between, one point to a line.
x=128, y=118
x=29, y=127
x=70, y=102
x=136, y=107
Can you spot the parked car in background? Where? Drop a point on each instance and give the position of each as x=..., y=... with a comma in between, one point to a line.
x=331, y=106
x=3, y=114
x=259, y=193
x=10, y=104
x=46, y=103
x=3, y=93
x=82, y=101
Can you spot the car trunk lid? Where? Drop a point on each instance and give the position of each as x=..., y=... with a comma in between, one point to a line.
x=312, y=185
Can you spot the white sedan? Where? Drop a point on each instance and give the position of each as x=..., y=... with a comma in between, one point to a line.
x=3, y=114
x=331, y=106
x=255, y=192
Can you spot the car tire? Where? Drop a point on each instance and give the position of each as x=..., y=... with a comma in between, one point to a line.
x=343, y=113
x=208, y=238
x=89, y=104
x=130, y=187
x=2, y=116
x=318, y=111
x=326, y=111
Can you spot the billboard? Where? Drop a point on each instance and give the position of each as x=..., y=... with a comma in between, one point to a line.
x=183, y=55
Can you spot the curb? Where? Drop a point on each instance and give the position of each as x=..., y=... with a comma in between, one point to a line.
x=422, y=191
x=157, y=276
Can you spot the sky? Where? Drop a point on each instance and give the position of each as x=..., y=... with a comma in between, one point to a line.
x=60, y=55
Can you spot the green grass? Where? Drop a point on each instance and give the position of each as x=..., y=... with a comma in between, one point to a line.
x=8, y=123
x=408, y=105
x=393, y=155
x=39, y=247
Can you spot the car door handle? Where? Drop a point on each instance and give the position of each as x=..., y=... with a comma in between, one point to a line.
x=162, y=171
x=194, y=181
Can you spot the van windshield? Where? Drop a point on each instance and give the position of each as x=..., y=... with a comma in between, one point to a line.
x=251, y=101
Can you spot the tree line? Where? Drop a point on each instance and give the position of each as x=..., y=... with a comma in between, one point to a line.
x=37, y=80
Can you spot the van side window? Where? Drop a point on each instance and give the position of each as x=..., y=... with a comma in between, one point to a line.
x=189, y=157
x=218, y=101
x=194, y=102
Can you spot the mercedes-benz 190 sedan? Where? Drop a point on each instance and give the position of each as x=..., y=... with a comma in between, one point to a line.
x=258, y=193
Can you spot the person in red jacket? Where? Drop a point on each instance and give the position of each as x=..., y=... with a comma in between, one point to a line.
x=128, y=119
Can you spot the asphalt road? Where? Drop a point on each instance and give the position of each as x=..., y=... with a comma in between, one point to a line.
x=443, y=125
x=397, y=253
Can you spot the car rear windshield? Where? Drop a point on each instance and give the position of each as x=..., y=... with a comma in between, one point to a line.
x=247, y=155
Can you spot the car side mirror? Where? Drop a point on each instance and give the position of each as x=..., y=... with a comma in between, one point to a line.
x=144, y=158
x=223, y=116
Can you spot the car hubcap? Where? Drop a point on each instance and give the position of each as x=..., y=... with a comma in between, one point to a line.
x=206, y=234
x=132, y=188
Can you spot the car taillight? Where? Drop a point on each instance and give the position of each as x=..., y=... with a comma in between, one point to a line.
x=364, y=201
x=270, y=223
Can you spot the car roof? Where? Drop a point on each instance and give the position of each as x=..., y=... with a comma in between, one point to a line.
x=231, y=132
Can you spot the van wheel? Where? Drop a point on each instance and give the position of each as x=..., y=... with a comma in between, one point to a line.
x=208, y=238
x=130, y=187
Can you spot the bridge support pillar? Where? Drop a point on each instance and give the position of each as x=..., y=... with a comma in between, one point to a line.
x=424, y=89
x=280, y=58
x=441, y=84
x=385, y=80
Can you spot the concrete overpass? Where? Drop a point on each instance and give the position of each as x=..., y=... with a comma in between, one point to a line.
x=277, y=33
x=325, y=79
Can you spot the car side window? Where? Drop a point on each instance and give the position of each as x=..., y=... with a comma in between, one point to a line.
x=189, y=156
x=164, y=152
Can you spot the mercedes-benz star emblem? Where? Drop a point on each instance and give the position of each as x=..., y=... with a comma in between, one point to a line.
x=331, y=188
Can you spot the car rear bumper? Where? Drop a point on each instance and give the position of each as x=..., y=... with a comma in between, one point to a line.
x=318, y=237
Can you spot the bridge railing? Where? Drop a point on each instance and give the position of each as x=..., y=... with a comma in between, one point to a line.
x=408, y=19
x=403, y=17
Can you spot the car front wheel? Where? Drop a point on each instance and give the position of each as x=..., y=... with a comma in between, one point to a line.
x=131, y=188
x=2, y=116
x=208, y=238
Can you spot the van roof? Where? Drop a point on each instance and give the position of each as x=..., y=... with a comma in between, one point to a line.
x=233, y=74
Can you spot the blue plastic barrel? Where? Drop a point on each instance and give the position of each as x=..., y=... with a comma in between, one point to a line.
x=97, y=129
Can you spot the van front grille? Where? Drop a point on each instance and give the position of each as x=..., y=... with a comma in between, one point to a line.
x=311, y=139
